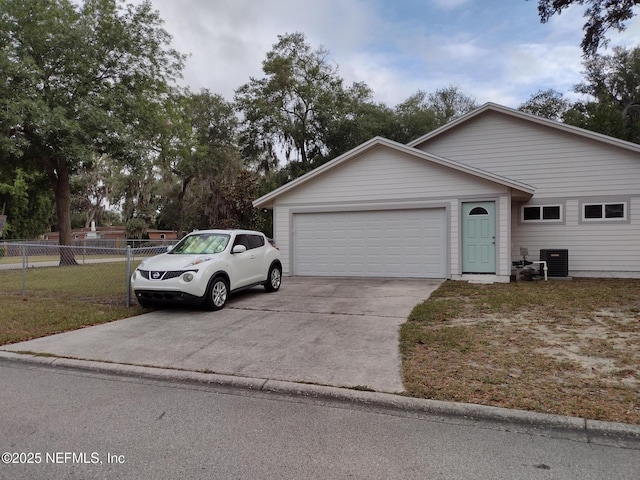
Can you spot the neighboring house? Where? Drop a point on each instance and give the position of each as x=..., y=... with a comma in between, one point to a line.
x=111, y=233
x=462, y=201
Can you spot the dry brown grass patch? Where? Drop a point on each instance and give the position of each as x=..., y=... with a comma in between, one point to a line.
x=563, y=347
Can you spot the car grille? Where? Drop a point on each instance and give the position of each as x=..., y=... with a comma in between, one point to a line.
x=158, y=275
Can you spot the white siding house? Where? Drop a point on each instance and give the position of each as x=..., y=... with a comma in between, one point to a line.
x=463, y=200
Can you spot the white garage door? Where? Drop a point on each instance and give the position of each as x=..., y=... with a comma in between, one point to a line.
x=386, y=243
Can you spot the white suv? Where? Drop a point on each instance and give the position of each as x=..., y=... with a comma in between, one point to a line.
x=206, y=266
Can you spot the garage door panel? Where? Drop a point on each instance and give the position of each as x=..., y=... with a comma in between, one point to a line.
x=395, y=243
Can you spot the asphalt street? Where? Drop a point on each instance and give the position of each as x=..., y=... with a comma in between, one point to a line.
x=78, y=424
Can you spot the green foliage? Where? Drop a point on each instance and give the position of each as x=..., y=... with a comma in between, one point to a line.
x=612, y=82
x=423, y=112
x=239, y=196
x=610, y=101
x=136, y=228
x=198, y=161
x=29, y=205
x=601, y=117
x=601, y=15
x=288, y=108
x=92, y=187
x=82, y=80
x=358, y=120
x=548, y=103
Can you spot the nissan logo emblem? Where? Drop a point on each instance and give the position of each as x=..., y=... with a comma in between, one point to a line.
x=155, y=275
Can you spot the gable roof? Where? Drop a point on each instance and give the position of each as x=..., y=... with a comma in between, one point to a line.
x=494, y=107
x=266, y=200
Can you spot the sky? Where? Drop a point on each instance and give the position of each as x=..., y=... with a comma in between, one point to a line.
x=492, y=50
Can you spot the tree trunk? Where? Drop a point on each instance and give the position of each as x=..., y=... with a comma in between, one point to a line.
x=181, y=209
x=58, y=173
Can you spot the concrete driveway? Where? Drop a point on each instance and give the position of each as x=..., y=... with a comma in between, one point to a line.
x=329, y=331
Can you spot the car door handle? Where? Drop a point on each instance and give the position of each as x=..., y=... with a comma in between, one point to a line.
x=252, y=257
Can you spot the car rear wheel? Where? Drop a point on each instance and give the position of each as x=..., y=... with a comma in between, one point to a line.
x=274, y=279
x=217, y=294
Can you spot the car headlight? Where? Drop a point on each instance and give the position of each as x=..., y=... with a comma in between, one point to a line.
x=187, y=277
x=135, y=274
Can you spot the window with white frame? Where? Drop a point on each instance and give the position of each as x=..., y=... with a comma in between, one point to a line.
x=542, y=213
x=604, y=211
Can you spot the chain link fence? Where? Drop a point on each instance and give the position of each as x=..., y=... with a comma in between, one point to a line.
x=93, y=270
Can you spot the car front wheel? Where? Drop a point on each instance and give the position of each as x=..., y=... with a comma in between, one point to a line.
x=274, y=279
x=217, y=294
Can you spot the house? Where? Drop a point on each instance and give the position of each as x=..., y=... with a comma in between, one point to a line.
x=465, y=202
x=117, y=234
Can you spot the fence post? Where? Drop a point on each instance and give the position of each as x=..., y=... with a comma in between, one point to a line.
x=24, y=270
x=128, y=273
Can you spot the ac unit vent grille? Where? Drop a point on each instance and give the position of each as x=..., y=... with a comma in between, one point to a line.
x=557, y=261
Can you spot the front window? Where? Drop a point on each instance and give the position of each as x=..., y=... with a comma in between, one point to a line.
x=604, y=211
x=201, y=243
x=479, y=211
x=542, y=213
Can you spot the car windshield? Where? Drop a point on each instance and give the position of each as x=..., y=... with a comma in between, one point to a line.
x=201, y=243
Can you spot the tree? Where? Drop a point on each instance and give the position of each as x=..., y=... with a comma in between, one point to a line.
x=135, y=188
x=449, y=103
x=136, y=228
x=612, y=83
x=29, y=206
x=83, y=80
x=91, y=189
x=601, y=16
x=287, y=109
x=197, y=157
x=613, y=77
x=548, y=103
x=599, y=116
x=423, y=112
x=358, y=118
x=415, y=117
x=239, y=196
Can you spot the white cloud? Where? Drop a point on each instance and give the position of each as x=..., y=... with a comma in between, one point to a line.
x=539, y=64
x=450, y=4
x=228, y=39
x=396, y=48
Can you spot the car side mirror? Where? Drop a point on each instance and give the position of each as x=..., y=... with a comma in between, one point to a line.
x=239, y=249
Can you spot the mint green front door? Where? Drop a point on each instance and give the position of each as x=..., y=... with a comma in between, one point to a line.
x=479, y=237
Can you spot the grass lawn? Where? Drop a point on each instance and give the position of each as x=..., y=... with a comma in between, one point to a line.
x=39, y=315
x=562, y=347
x=59, y=299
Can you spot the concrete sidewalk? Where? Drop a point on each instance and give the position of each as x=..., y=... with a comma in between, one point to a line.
x=326, y=331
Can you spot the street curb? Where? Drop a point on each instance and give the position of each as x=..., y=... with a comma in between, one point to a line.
x=576, y=428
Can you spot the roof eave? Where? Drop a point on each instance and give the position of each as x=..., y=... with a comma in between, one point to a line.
x=530, y=118
x=268, y=200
